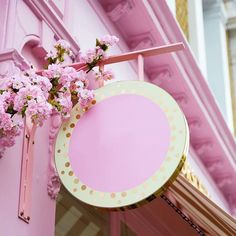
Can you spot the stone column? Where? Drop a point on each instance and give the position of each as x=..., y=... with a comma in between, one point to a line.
x=217, y=57
x=196, y=33
x=232, y=51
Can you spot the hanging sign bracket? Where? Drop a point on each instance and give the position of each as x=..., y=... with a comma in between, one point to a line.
x=26, y=172
x=28, y=142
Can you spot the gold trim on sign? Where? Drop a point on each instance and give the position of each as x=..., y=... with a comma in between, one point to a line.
x=155, y=194
x=161, y=179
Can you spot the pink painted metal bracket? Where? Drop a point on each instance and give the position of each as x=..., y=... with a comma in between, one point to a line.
x=27, y=158
x=135, y=55
x=26, y=171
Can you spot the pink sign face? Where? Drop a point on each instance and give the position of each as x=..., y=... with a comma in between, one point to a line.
x=119, y=143
x=127, y=146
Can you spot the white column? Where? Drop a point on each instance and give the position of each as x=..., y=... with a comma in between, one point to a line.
x=172, y=6
x=232, y=40
x=196, y=33
x=217, y=57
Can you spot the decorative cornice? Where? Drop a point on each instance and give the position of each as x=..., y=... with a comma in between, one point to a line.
x=214, y=164
x=54, y=182
x=231, y=14
x=193, y=123
x=215, y=127
x=56, y=8
x=116, y=11
x=188, y=79
x=15, y=56
x=203, y=146
x=231, y=23
x=159, y=75
x=46, y=13
x=141, y=41
x=215, y=9
x=224, y=180
x=181, y=98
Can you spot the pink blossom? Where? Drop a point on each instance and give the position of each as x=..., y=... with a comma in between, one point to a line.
x=105, y=75
x=8, y=132
x=108, y=40
x=65, y=102
x=57, y=53
x=42, y=82
x=5, y=100
x=52, y=54
x=62, y=44
x=101, y=53
x=68, y=75
x=19, y=81
x=89, y=56
x=32, y=102
x=79, y=85
x=6, y=141
x=53, y=71
x=65, y=80
x=82, y=77
x=39, y=111
x=5, y=121
x=85, y=97
x=33, y=95
x=93, y=56
x=5, y=83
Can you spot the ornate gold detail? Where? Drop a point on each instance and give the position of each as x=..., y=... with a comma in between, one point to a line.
x=54, y=183
x=182, y=15
x=193, y=179
x=232, y=83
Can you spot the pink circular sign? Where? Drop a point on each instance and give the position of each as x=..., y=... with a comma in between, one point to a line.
x=124, y=148
x=120, y=137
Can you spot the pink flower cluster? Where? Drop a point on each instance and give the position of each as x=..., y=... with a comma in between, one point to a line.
x=24, y=94
x=67, y=85
x=104, y=75
x=85, y=97
x=31, y=101
x=93, y=56
x=10, y=125
x=60, y=49
x=58, y=88
x=109, y=40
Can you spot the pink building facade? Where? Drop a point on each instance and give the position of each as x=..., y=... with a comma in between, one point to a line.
x=28, y=30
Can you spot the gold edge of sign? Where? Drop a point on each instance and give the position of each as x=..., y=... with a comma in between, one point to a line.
x=154, y=195
x=165, y=186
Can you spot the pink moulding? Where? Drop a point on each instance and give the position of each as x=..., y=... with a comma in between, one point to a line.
x=119, y=143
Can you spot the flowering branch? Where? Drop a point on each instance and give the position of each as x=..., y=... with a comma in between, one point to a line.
x=36, y=96
x=96, y=55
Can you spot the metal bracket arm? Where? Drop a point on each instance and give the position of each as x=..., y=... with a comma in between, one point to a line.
x=26, y=172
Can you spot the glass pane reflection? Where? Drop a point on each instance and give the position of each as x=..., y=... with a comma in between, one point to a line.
x=74, y=218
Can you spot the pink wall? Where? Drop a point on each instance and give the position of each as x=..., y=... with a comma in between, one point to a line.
x=23, y=38
x=43, y=207
x=29, y=27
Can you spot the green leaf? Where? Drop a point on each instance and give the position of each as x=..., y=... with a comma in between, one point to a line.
x=104, y=47
x=11, y=110
x=97, y=43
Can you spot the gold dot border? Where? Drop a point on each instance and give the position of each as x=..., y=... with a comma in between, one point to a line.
x=154, y=185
